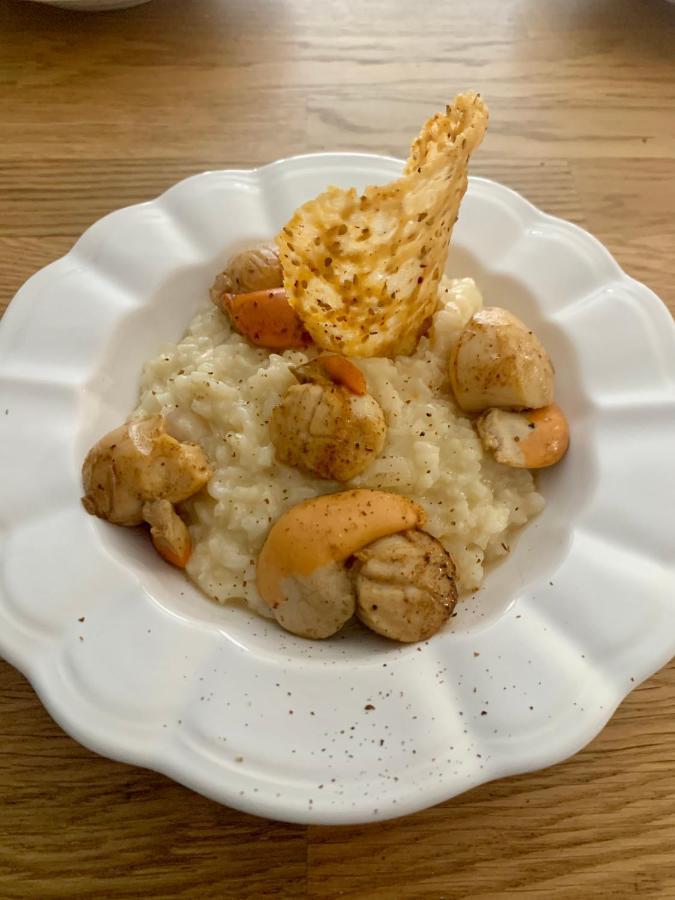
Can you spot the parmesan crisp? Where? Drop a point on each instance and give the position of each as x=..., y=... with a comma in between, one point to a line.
x=362, y=271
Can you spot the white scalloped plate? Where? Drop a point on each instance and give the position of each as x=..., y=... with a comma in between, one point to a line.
x=135, y=663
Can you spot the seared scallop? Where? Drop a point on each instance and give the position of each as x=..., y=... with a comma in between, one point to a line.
x=531, y=439
x=328, y=430
x=250, y=292
x=136, y=473
x=405, y=586
x=499, y=362
x=302, y=571
x=138, y=462
x=257, y=269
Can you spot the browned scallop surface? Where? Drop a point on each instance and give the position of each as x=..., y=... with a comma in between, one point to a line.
x=499, y=362
x=405, y=586
x=328, y=430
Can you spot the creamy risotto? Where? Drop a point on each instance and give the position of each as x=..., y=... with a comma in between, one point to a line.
x=218, y=390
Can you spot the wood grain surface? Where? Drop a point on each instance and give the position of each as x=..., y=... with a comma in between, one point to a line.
x=102, y=110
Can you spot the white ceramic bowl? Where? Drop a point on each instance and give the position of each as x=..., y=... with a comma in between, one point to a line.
x=135, y=663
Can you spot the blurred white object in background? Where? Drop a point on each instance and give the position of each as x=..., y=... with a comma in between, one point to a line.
x=92, y=5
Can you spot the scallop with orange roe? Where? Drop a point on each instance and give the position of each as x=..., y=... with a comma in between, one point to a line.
x=301, y=573
x=532, y=439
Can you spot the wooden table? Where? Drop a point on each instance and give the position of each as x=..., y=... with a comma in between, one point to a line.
x=98, y=111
